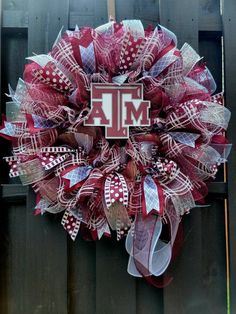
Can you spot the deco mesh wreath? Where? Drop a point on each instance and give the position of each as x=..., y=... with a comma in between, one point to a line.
x=119, y=129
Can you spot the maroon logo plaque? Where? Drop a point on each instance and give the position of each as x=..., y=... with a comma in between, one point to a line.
x=118, y=107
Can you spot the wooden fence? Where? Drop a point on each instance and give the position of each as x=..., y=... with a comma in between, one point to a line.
x=41, y=270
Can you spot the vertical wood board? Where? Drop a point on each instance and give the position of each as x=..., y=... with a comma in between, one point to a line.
x=229, y=27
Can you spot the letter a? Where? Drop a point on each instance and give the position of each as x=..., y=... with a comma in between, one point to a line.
x=96, y=112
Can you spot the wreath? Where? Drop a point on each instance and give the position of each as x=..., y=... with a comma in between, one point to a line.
x=137, y=178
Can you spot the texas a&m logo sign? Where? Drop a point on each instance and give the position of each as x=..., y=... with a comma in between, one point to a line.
x=117, y=107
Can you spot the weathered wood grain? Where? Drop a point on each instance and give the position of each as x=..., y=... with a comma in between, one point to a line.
x=45, y=272
x=87, y=13
x=45, y=268
x=42, y=273
x=199, y=269
x=148, y=299
x=15, y=13
x=147, y=11
x=229, y=23
x=115, y=289
x=199, y=272
x=209, y=15
x=46, y=19
x=181, y=17
x=81, y=277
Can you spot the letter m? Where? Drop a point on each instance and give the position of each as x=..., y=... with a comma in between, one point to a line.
x=137, y=116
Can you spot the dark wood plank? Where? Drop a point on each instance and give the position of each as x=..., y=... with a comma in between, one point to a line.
x=14, y=52
x=87, y=13
x=146, y=11
x=213, y=24
x=5, y=147
x=1, y=57
x=15, y=18
x=34, y=276
x=15, y=13
x=82, y=276
x=115, y=288
x=125, y=10
x=207, y=7
x=219, y=189
x=184, y=294
x=199, y=281
x=3, y=260
x=181, y=16
x=209, y=15
x=12, y=67
x=210, y=48
x=40, y=285
x=15, y=5
x=12, y=258
x=101, y=15
x=3, y=173
x=14, y=193
x=214, y=257
x=44, y=287
x=12, y=63
x=229, y=26
x=3, y=215
x=35, y=268
x=45, y=21
x=148, y=298
x=45, y=272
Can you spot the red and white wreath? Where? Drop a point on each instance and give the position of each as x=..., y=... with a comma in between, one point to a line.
x=118, y=128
